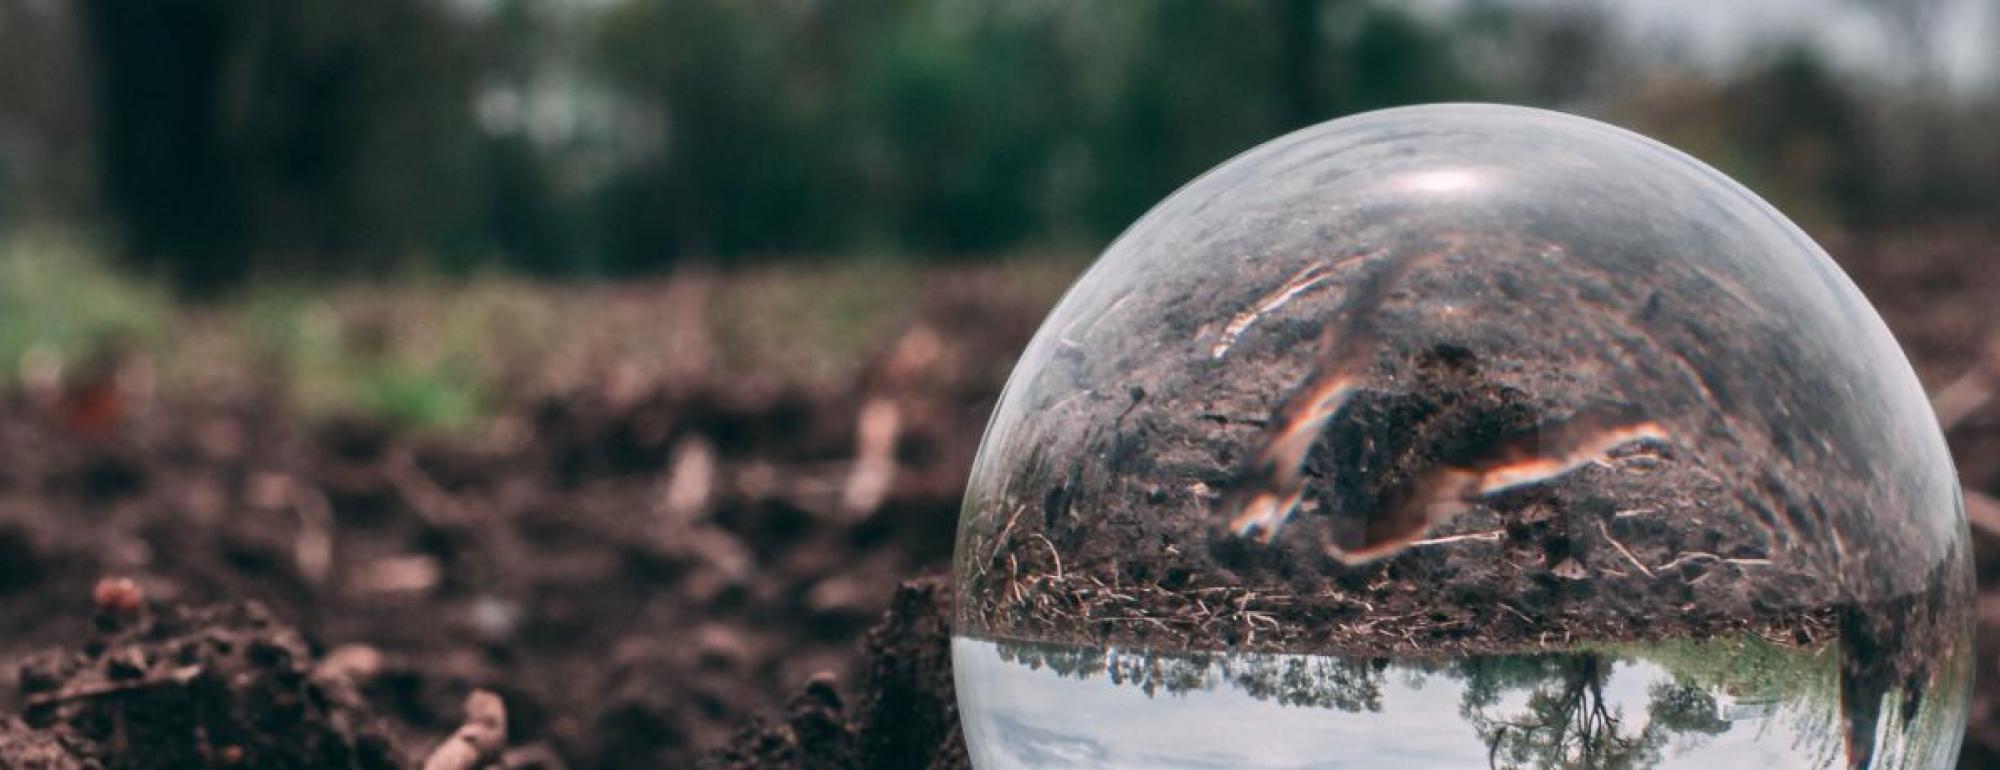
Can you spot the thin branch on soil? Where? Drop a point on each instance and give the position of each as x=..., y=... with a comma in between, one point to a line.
x=1053, y=554
x=313, y=550
x=1706, y=556
x=874, y=472
x=1072, y=335
x=1517, y=613
x=1300, y=283
x=480, y=741
x=1224, y=419
x=1962, y=397
x=1493, y=535
x=1982, y=511
x=408, y=575
x=1000, y=540
x=690, y=483
x=1627, y=552
x=421, y=493
x=176, y=677
x=1972, y=390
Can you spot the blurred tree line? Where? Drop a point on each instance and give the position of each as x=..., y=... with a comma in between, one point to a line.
x=224, y=139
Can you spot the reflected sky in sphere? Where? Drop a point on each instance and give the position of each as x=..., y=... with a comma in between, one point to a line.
x=1034, y=718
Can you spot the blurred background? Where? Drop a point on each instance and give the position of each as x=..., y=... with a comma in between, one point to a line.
x=212, y=143
x=493, y=335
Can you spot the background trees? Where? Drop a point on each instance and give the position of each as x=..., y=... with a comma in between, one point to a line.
x=214, y=140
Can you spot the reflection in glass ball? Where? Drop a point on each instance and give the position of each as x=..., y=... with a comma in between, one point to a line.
x=1463, y=436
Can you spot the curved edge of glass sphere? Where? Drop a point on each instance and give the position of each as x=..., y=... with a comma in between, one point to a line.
x=1468, y=379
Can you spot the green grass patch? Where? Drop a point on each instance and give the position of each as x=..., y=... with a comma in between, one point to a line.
x=434, y=353
x=58, y=299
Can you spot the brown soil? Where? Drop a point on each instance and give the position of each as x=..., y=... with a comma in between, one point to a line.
x=214, y=687
x=637, y=569
x=906, y=715
x=540, y=559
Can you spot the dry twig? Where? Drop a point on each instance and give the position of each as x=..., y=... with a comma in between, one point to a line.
x=1494, y=535
x=874, y=472
x=479, y=742
x=690, y=483
x=1982, y=511
x=1627, y=552
x=313, y=550
x=1972, y=390
x=178, y=677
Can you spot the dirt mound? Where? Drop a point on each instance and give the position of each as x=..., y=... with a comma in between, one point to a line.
x=905, y=713
x=214, y=687
x=228, y=686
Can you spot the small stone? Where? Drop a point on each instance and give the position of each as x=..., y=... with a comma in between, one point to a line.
x=118, y=596
x=129, y=664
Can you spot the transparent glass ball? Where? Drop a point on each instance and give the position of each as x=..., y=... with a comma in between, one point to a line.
x=1463, y=436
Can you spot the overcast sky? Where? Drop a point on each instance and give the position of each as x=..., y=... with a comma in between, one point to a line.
x=1964, y=36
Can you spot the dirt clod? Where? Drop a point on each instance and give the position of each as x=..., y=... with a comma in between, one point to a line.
x=218, y=686
x=478, y=743
x=905, y=713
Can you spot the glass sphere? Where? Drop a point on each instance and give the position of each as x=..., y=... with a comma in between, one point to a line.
x=1463, y=436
